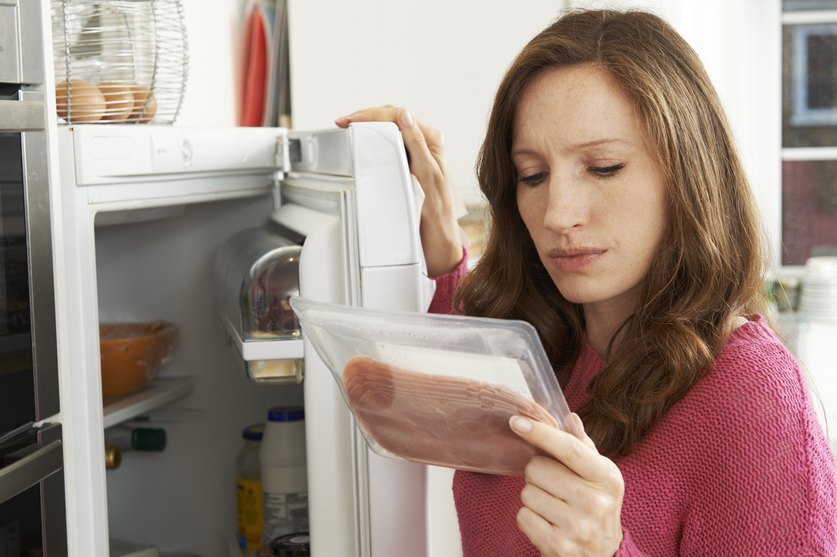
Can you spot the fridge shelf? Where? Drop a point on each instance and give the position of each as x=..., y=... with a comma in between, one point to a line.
x=118, y=409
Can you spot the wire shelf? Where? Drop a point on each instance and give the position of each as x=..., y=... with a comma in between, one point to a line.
x=119, y=61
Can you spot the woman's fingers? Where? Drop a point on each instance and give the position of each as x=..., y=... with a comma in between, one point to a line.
x=578, y=454
x=541, y=532
x=574, y=425
x=386, y=113
x=546, y=504
x=567, y=534
x=572, y=499
x=439, y=228
x=422, y=141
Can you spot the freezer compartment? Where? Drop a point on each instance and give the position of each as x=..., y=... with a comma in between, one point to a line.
x=124, y=154
x=256, y=273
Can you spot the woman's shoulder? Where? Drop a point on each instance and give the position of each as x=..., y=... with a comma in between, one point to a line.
x=755, y=359
x=755, y=394
x=754, y=384
x=758, y=462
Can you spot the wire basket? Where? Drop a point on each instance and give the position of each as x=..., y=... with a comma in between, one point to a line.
x=119, y=61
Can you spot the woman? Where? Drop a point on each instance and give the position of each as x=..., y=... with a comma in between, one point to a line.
x=624, y=229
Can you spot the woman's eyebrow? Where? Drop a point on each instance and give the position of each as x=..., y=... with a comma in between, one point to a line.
x=578, y=146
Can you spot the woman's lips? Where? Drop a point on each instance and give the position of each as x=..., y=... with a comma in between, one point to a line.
x=574, y=260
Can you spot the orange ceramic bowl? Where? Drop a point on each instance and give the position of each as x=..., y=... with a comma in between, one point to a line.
x=132, y=354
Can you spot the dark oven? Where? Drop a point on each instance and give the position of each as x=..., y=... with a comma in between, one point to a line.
x=32, y=513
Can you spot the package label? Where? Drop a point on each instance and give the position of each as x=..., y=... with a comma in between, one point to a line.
x=250, y=518
x=284, y=513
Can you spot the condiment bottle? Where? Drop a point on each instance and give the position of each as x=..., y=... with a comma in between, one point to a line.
x=120, y=439
x=248, y=483
x=284, y=475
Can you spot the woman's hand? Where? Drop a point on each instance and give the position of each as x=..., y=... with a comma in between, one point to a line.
x=439, y=230
x=573, y=497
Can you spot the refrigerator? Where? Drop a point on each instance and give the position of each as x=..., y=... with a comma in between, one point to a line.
x=142, y=214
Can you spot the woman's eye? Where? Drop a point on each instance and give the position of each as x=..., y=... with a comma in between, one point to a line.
x=532, y=179
x=606, y=171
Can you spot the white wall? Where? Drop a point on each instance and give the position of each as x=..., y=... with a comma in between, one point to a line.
x=209, y=98
x=442, y=59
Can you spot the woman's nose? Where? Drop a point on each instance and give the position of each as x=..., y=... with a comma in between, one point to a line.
x=566, y=206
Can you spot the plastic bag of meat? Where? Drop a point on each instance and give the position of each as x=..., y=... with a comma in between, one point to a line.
x=437, y=389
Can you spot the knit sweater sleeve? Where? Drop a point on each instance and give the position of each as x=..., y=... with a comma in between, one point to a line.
x=446, y=284
x=764, y=476
x=628, y=548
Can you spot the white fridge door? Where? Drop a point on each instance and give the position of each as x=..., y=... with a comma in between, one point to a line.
x=350, y=194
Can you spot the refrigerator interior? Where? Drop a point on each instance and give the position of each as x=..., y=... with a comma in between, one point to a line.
x=182, y=499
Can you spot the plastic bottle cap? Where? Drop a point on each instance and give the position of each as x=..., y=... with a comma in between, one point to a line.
x=286, y=414
x=254, y=432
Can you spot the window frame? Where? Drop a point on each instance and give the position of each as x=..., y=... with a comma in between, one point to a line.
x=816, y=18
x=803, y=114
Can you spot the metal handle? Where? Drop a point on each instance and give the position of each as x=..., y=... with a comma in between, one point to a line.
x=21, y=116
x=30, y=470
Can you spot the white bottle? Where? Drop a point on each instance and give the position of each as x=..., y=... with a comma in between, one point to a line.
x=284, y=476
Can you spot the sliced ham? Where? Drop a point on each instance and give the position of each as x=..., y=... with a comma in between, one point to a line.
x=440, y=420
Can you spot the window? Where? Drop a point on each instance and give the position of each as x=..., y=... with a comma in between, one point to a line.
x=809, y=129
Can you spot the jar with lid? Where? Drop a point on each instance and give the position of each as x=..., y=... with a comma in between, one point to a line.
x=248, y=484
x=284, y=474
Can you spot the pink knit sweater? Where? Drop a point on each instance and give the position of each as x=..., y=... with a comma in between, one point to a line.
x=738, y=467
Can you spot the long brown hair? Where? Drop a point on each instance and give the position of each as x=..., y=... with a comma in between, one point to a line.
x=710, y=265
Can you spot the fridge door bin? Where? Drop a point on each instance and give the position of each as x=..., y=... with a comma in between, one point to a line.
x=268, y=361
x=256, y=273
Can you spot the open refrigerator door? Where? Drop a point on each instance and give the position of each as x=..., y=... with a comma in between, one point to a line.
x=349, y=202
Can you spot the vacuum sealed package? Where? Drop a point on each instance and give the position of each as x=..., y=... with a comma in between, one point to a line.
x=437, y=389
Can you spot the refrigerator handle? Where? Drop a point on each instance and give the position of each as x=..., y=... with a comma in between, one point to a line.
x=37, y=220
x=28, y=471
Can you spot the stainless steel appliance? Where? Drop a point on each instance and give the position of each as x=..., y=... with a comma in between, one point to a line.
x=32, y=513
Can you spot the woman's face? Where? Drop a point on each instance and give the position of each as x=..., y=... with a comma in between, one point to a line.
x=589, y=189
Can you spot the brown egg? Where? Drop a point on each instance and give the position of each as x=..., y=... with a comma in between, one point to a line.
x=143, y=111
x=81, y=102
x=119, y=100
